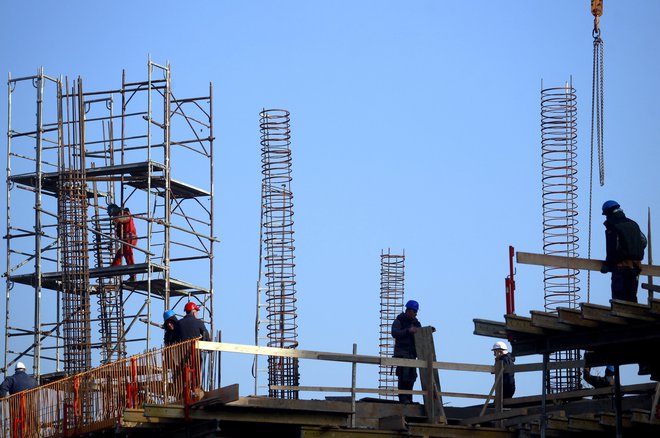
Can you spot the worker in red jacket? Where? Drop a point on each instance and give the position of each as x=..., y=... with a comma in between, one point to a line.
x=126, y=233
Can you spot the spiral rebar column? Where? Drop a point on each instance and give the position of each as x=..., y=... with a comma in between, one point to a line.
x=391, y=302
x=559, y=153
x=278, y=248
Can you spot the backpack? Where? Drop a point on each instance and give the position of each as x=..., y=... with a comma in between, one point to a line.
x=631, y=242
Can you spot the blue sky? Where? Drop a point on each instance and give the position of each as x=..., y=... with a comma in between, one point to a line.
x=415, y=125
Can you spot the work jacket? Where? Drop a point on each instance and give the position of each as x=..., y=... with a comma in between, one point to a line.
x=20, y=381
x=404, y=341
x=190, y=327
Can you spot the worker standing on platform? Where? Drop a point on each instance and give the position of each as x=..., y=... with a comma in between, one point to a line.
x=189, y=327
x=404, y=328
x=625, y=244
x=501, y=353
x=169, y=323
x=599, y=381
x=126, y=233
x=20, y=381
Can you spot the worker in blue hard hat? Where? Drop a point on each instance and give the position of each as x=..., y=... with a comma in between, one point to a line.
x=169, y=324
x=404, y=328
x=600, y=381
x=625, y=244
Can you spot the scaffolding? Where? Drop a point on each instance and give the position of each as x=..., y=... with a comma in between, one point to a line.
x=559, y=153
x=276, y=286
x=392, y=270
x=81, y=155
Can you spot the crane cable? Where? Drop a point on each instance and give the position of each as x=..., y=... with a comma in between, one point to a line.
x=597, y=121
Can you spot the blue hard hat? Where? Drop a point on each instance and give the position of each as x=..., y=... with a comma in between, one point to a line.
x=412, y=304
x=609, y=370
x=168, y=314
x=610, y=206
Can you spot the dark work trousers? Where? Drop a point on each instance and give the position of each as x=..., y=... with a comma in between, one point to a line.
x=407, y=377
x=624, y=284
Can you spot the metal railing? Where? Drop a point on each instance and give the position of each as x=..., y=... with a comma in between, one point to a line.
x=96, y=399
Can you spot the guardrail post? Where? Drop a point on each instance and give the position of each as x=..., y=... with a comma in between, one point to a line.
x=353, y=384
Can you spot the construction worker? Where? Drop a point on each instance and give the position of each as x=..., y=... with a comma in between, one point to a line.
x=600, y=381
x=169, y=323
x=126, y=233
x=189, y=327
x=501, y=353
x=20, y=381
x=404, y=328
x=625, y=244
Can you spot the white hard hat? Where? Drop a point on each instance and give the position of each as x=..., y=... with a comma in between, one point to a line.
x=20, y=366
x=499, y=345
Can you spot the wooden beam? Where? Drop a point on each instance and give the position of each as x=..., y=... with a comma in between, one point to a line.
x=280, y=416
x=522, y=325
x=574, y=263
x=430, y=379
x=630, y=310
x=493, y=329
x=222, y=395
x=574, y=317
x=549, y=321
x=585, y=423
x=651, y=287
x=494, y=416
x=337, y=357
x=600, y=313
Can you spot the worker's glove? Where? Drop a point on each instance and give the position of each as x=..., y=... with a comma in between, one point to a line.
x=604, y=269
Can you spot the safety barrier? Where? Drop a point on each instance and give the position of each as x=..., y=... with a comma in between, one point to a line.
x=96, y=399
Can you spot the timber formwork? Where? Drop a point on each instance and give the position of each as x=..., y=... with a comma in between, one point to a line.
x=138, y=146
x=619, y=334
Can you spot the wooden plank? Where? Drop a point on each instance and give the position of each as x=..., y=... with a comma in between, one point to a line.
x=495, y=416
x=392, y=422
x=222, y=395
x=630, y=310
x=609, y=419
x=549, y=321
x=574, y=263
x=430, y=380
x=522, y=324
x=574, y=317
x=655, y=306
x=493, y=329
x=651, y=287
x=585, y=423
x=600, y=313
x=280, y=416
x=528, y=258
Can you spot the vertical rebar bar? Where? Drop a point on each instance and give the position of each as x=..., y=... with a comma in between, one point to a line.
x=72, y=232
x=278, y=242
x=559, y=168
x=392, y=267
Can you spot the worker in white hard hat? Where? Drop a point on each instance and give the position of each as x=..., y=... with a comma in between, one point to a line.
x=501, y=353
x=20, y=381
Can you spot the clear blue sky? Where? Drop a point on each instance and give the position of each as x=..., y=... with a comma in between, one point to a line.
x=416, y=126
